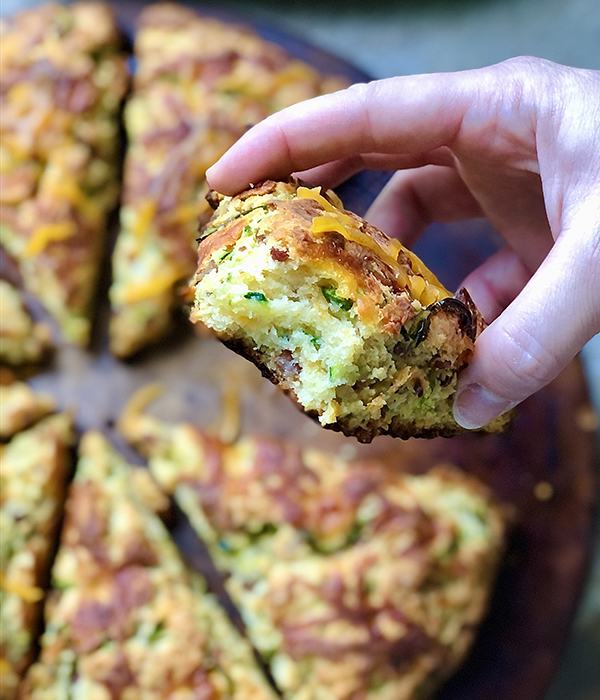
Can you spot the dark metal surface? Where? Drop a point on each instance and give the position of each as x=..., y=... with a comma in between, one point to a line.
x=521, y=641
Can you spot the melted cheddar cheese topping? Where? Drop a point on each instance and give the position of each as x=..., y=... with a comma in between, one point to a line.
x=47, y=233
x=154, y=287
x=423, y=284
x=30, y=594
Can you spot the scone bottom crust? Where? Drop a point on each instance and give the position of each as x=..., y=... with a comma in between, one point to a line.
x=347, y=321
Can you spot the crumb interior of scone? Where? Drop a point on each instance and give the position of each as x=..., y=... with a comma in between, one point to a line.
x=298, y=319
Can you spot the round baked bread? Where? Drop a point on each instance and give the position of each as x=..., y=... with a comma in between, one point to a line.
x=346, y=320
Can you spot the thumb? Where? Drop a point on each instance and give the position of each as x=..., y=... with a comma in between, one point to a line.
x=536, y=336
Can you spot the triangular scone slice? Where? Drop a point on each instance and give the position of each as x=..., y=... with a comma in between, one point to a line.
x=354, y=580
x=62, y=78
x=346, y=320
x=199, y=84
x=36, y=465
x=22, y=341
x=126, y=618
x=21, y=407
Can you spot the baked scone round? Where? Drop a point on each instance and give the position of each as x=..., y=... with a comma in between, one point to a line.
x=355, y=579
x=346, y=320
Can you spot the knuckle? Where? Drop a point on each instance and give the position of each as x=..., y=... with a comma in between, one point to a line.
x=524, y=62
x=361, y=92
x=523, y=67
x=527, y=78
x=528, y=361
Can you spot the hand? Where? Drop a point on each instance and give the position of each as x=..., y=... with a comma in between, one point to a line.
x=519, y=143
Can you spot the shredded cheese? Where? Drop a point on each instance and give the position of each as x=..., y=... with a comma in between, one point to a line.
x=30, y=594
x=70, y=190
x=322, y=224
x=142, y=397
x=21, y=95
x=346, y=281
x=185, y=213
x=328, y=223
x=306, y=193
x=8, y=161
x=46, y=234
x=423, y=284
x=6, y=668
x=430, y=295
x=148, y=289
x=417, y=286
x=295, y=71
x=231, y=416
x=144, y=216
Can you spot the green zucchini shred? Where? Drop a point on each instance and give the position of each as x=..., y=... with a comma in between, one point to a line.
x=330, y=294
x=256, y=296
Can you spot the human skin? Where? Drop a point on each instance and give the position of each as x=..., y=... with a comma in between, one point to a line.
x=518, y=143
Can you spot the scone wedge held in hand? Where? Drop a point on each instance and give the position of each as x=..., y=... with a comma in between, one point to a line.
x=346, y=320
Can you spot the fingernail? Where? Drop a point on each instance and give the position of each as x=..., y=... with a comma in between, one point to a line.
x=474, y=406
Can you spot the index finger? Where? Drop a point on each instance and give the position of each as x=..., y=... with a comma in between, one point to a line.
x=412, y=115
